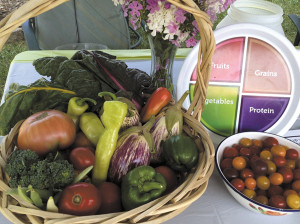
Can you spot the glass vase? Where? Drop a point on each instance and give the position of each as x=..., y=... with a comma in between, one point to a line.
x=162, y=57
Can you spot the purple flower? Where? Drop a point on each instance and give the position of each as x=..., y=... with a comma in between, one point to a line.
x=135, y=6
x=179, y=15
x=152, y=6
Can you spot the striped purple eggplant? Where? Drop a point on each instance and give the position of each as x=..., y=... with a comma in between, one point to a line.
x=133, y=149
x=160, y=133
x=168, y=123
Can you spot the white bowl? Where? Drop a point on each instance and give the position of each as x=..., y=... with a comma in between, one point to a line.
x=241, y=198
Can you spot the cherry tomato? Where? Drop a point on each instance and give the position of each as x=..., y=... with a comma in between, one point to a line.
x=259, y=167
x=261, y=199
x=262, y=182
x=278, y=150
x=287, y=174
x=271, y=166
x=270, y=141
x=46, y=131
x=289, y=191
x=277, y=201
x=80, y=199
x=292, y=154
x=245, y=142
x=239, y=162
x=82, y=158
x=246, y=173
x=226, y=163
x=250, y=183
x=276, y=178
x=238, y=184
x=279, y=161
x=257, y=143
x=274, y=190
x=249, y=193
x=296, y=173
x=291, y=163
x=266, y=155
x=230, y=173
x=298, y=163
x=255, y=150
x=293, y=201
x=296, y=185
x=246, y=152
x=230, y=152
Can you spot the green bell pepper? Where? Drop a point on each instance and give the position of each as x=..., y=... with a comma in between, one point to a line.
x=181, y=152
x=112, y=118
x=140, y=186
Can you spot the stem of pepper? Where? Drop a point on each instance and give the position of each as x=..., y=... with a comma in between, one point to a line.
x=149, y=186
x=82, y=101
x=102, y=94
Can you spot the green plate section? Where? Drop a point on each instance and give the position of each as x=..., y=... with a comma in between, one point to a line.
x=219, y=115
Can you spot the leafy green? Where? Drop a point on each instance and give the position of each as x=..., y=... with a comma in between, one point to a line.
x=22, y=101
x=84, y=75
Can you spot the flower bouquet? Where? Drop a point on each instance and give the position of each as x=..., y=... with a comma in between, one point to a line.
x=168, y=28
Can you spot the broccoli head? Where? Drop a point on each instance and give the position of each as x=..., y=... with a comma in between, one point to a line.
x=51, y=173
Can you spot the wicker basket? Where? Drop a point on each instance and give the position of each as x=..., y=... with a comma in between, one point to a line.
x=161, y=209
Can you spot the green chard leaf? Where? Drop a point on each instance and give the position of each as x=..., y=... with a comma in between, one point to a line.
x=22, y=101
x=84, y=75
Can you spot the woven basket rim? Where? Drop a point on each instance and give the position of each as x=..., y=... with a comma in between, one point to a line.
x=161, y=209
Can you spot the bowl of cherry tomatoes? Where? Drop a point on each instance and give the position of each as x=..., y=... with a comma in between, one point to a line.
x=261, y=171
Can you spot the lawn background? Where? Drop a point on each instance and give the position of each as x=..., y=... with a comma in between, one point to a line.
x=11, y=49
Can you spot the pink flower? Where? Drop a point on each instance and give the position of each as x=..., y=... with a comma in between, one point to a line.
x=191, y=42
x=172, y=27
x=135, y=6
x=179, y=15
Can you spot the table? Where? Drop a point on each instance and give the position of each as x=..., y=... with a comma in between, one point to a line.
x=216, y=205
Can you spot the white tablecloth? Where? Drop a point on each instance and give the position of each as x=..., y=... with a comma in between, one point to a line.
x=215, y=206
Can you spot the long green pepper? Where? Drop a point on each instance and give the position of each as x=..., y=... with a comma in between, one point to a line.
x=112, y=118
x=77, y=106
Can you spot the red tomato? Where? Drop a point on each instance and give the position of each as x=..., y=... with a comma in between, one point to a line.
x=277, y=201
x=230, y=152
x=110, y=198
x=296, y=173
x=82, y=141
x=292, y=154
x=82, y=157
x=169, y=176
x=270, y=141
x=46, y=131
x=287, y=174
x=238, y=184
x=80, y=199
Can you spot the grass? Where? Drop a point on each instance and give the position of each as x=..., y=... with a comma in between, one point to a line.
x=10, y=50
x=7, y=54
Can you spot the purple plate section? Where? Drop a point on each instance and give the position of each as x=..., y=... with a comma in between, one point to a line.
x=260, y=113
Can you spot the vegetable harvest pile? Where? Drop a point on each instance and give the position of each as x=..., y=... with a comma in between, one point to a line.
x=96, y=153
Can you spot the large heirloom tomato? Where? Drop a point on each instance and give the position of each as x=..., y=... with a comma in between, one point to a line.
x=80, y=199
x=46, y=131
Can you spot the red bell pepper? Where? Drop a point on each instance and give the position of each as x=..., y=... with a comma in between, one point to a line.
x=158, y=99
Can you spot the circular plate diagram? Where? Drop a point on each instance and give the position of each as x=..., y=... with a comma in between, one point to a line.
x=252, y=84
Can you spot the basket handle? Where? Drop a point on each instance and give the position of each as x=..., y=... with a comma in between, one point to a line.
x=30, y=9
x=206, y=51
